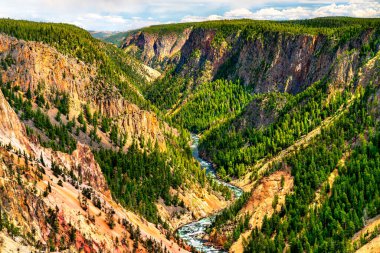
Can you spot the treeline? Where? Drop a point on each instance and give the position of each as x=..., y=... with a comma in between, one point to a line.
x=354, y=195
x=210, y=103
x=330, y=26
x=68, y=39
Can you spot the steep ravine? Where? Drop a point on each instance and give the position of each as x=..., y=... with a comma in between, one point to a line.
x=192, y=233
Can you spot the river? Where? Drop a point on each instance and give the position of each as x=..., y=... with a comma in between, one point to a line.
x=193, y=232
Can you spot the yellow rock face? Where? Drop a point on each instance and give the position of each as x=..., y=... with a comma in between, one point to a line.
x=22, y=185
x=44, y=70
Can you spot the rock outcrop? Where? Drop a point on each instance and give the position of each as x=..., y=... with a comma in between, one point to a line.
x=44, y=70
x=156, y=50
x=268, y=61
x=50, y=210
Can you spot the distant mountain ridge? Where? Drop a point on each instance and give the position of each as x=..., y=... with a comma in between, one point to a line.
x=102, y=34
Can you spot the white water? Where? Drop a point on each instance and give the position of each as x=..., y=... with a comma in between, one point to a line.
x=193, y=232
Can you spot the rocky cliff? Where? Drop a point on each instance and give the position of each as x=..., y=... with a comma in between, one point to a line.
x=48, y=210
x=155, y=50
x=265, y=58
x=44, y=70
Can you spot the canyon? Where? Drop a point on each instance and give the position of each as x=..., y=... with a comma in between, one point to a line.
x=218, y=136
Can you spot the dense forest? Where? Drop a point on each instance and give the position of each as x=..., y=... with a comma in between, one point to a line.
x=165, y=92
x=230, y=147
x=138, y=179
x=354, y=196
x=210, y=103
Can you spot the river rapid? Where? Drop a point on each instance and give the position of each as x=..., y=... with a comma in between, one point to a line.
x=193, y=232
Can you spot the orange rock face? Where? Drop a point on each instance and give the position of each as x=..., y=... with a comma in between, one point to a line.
x=49, y=210
x=267, y=61
x=46, y=71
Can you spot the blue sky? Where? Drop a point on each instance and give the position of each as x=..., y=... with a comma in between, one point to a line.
x=122, y=15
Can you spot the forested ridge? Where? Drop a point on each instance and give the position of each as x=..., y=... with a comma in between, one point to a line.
x=132, y=176
x=212, y=102
x=354, y=196
x=332, y=26
x=182, y=82
x=233, y=149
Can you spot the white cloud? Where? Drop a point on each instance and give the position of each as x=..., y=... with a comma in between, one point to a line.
x=199, y=19
x=355, y=8
x=110, y=22
x=129, y=14
x=239, y=13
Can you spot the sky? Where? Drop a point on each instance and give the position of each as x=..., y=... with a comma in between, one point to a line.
x=123, y=15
